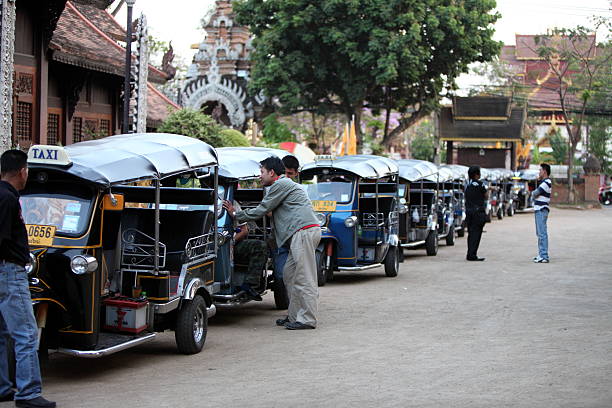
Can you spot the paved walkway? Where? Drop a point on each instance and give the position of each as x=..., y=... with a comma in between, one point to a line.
x=444, y=333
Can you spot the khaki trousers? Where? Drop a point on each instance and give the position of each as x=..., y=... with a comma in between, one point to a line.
x=300, y=276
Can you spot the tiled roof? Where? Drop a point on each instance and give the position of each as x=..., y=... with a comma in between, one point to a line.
x=103, y=20
x=481, y=106
x=77, y=40
x=158, y=107
x=481, y=130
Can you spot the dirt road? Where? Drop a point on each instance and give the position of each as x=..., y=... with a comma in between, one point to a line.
x=444, y=333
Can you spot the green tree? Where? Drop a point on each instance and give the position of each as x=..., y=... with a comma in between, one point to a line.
x=232, y=137
x=600, y=141
x=193, y=123
x=275, y=131
x=559, y=147
x=578, y=66
x=343, y=55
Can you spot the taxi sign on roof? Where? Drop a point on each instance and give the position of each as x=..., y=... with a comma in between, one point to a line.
x=54, y=155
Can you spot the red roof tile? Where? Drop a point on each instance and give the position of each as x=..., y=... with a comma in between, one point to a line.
x=158, y=107
x=77, y=40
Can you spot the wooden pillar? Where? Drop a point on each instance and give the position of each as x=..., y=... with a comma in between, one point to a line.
x=7, y=50
x=513, y=156
x=43, y=98
x=449, y=152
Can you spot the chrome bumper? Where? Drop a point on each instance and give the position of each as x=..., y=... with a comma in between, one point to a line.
x=359, y=268
x=211, y=311
x=413, y=244
x=107, y=351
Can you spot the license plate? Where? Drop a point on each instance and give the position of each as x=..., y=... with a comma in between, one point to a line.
x=324, y=206
x=40, y=235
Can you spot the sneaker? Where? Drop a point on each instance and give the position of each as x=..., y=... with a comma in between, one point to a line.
x=282, y=322
x=540, y=260
x=38, y=402
x=298, y=326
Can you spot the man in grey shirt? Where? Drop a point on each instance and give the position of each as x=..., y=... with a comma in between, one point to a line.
x=296, y=224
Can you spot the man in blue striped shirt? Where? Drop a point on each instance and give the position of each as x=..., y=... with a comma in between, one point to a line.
x=541, y=204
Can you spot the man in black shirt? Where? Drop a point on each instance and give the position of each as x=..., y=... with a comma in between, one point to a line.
x=475, y=196
x=16, y=313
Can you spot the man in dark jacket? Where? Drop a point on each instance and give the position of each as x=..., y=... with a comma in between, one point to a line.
x=16, y=313
x=475, y=196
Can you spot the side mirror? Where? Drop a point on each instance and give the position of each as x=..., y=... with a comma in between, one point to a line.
x=113, y=202
x=403, y=201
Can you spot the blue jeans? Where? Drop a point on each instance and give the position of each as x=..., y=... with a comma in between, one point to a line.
x=541, y=216
x=17, y=321
x=280, y=258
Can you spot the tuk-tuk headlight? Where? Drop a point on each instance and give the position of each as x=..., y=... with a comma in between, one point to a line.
x=322, y=219
x=350, y=222
x=402, y=209
x=82, y=264
x=31, y=267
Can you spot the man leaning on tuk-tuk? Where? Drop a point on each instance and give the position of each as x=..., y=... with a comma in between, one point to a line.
x=16, y=314
x=294, y=222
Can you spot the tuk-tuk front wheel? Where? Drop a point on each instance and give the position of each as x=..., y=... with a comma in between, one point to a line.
x=500, y=214
x=450, y=237
x=321, y=270
x=431, y=243
x=461, y=231
x=392, y=262
x=510, y=211
x=191, y=326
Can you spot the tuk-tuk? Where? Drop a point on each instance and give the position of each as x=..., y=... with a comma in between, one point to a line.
x=497, y=195
x=459, y=183
x=419, y=198
x=486, y=176
x=239, y=181
x=446, y=205
x=505, y=195
x=355, y=199
x=118, y=252
x=524, y=183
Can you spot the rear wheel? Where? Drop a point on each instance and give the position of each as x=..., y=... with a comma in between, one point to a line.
x=321, y=271
x=392, y=262
x=607, y=200
x=450, y=238
x=461, y=231
x=431, y=243
x=281, y=298
x=500, y=214
x=191, y=326
x=510, y=211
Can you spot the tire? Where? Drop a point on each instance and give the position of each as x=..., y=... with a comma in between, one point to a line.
x=392, y=262
x=431, y=243
x=510, y=211
x=607, y=200
x=191, y=326
x=488, y=217
x=321, y=271
x=500, y=214
x=281, y=297
x=450, y=238
x=461, y=231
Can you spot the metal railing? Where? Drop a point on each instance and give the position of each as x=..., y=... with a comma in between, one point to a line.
x=138, y=251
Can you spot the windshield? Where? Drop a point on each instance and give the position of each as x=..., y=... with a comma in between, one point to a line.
x=69, y=213
x=334, y=188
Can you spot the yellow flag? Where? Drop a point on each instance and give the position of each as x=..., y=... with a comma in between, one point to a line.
x=345, y=141
x=352, y=146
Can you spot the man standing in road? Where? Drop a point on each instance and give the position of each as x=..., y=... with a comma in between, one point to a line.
x=294, y=222
x=475, y=196
x=541, y=203
x=16, y=313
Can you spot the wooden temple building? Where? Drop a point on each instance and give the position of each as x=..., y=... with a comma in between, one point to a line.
x=539, y=81
x=482, y=131
x=67, y=73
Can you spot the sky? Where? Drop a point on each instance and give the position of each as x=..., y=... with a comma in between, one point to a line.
x=179, y=20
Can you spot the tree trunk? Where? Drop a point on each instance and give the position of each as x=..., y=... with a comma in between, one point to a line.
x=357, y=118
x=404, y=124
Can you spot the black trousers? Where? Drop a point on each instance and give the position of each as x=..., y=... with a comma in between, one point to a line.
x=475, y=221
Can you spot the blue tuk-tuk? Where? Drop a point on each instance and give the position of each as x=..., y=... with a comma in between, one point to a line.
x=446, y=205
x=418, y=197
x=239, y=181
x=106, y=223
x=355, y=199
x=524, y=183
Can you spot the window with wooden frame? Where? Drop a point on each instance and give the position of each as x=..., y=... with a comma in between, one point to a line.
x=77, y=129
x=24, y=87
x=54, y=126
